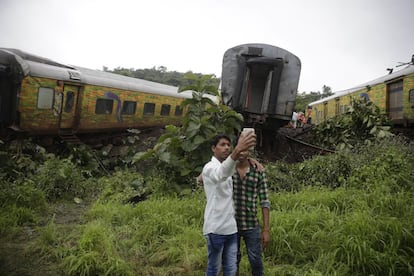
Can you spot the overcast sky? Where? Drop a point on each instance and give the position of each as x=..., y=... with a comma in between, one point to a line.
x=341, y=43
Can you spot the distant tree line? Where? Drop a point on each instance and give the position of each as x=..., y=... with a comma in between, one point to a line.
x=174, y=78
x=161, y=75
x=305, y=98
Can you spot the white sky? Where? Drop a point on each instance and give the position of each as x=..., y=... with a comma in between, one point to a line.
x=341, y=43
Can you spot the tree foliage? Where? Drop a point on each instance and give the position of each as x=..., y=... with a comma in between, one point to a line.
x=326, y=91
x=162, y=75
x=185, y=149
x=305, y=98
x=363, y=122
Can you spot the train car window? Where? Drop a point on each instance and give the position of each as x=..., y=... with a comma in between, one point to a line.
x=346, y=108
x=104, y=106
x=149, y=109
x=325, y=111
x=411, y=95
x=70, y=100
x=178, y=111
x=165, y=109
x=337, y=106
x=45, y=98
x=128, y=107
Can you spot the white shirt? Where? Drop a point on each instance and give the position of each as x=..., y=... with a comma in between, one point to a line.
x=218, y=185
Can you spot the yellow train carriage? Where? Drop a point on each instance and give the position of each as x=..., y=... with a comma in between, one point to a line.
x=392, y=93
x=106, y=108
x=40, y=96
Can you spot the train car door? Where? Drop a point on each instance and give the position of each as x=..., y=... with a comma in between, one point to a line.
x=395, y=99
x=261, y=86
x=68, y=115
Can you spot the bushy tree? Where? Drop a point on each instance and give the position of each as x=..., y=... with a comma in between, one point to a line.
x=184, y=150
x=363, y=122
x=326, y=91
x=304, y=99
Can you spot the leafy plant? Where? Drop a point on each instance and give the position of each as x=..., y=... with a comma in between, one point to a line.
x=61, y=179
x=363, y=122
x=122, y=186
x=20, y=158
x=184, y=150
x=85, y=159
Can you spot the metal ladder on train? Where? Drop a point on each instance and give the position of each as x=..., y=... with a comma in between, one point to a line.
x=69, y=136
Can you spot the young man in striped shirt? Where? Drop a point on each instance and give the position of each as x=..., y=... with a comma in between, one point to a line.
x=249, y=185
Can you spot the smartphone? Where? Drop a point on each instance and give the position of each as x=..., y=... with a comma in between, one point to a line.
x=246, y=130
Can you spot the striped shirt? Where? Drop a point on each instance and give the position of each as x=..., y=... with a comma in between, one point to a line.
x=246, y=192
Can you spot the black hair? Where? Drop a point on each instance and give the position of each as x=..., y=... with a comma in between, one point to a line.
x=217, y=138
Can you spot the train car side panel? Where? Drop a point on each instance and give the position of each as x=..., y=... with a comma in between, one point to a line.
x=376, y=95
x=37, y=106
x=108, y=108
x=408, y=99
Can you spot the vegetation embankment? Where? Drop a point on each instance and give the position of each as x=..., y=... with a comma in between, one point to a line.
x=348, y=213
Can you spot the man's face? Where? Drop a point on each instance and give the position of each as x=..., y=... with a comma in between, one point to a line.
x=222, y=150
x=243, y=156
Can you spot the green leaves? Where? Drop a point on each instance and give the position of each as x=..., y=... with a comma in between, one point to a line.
x=363, y=123
x=184, y=150
x=197, y=83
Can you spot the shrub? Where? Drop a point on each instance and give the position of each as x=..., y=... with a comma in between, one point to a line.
x=281, y=177
x=363, y=123
x=61, y=179
x=21, y=204
x=388, y=163
x=19, y=159
x=122, y=186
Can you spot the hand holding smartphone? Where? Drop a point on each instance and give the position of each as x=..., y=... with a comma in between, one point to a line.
x=246, y=131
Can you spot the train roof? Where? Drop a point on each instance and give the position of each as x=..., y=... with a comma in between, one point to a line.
x=389, y=77
x=28, y=64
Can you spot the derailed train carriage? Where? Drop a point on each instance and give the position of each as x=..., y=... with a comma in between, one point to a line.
x=392, y=93
x=41, y=97
x=260, y=81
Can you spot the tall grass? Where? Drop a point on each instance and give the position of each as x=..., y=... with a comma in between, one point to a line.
x=21, y=204
x=343, y=229
x=162, y=235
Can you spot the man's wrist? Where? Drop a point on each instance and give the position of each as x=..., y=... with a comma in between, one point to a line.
x=235, y=154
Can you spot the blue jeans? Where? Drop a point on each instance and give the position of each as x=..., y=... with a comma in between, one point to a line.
x=222, y=250
x=253, y=240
